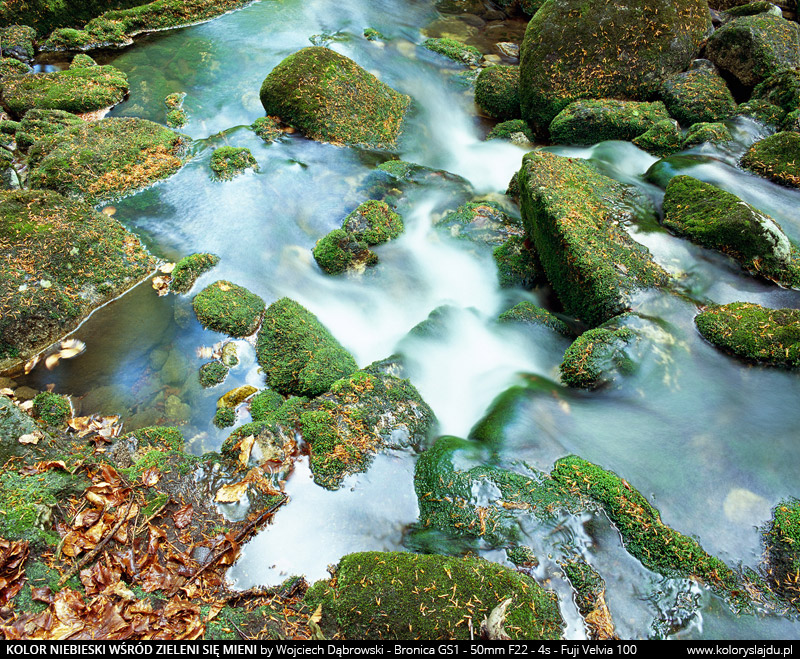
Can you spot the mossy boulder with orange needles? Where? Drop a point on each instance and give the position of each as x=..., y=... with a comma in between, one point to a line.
x=106, y=159
x=330, y=98
x=228, y=308
x=776, y=157
x=782, y=539
x=59, y=260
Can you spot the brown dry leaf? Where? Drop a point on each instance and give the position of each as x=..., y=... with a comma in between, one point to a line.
x=5, y=391
x=183, y=516
x=214, y=611
x=12, y=559
x=71, y=348
x=31, y=364
x=244, y=449
x=151, y=477
x=232, y=493
x=51, y=361
x=317, y=615
x=161, y=285
x=166, y=268
x=31, y=438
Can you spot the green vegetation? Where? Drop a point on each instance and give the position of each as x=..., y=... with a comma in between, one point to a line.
x=782, y=540
x=82, y=61
x=212, y=374
x=497, y=92
x=39, y=124
x=224, y=417
x=267, y=129
x=188, y=269
x=371, y=34
x=573, y=215
x=264, y=403
x=781, y=90
x=299, y=356
x=697, y=95
x=227, y=162
x=597, y=355
x=228, y=308
x=776, y=157
x=506, y=129
x=454, y=50
x=715, y=133
x=12, y=67
x=51, y=408
x=374, y=222
x=518, y=266
x=753, y=332
x=76, y=90
x=661, y=139
x=105, y=159
x=163, y=438
x=763, y=111
x=398, y=595
x=18, y=41
x=527, y=313
x=590, y=121
x=483, y=222
x=338, y=251
x=330, y=98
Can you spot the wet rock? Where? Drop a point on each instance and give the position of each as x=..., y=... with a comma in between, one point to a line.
x=330, y=98
x=357, y=604
x=267, y=129
x=106, y=159
x=57, y=238
x=510, y=130
x=752, y=48
x=776, y=157
x=615, y=62
x=74, y=90
x=527, y=313
x=228, y=162
x=298, y=354
x=453, y=50
x=228, y=308
x=19, y=42
x=781, y=90
x=14, y=423
x=518, y=266
x=572, y=214
x=663, y=138
x=591, y=121
x=497, y=92
x=753, y=333
x=762, y=111
x=508, y=49
x=590, y=592
x=714, y=133
x=175, y=369
x=697, y=95
x=236, y=397
x=25, y=393
x=782, y=539
x=176, y=410
x=189, y=269
x=229, y=354
x=483, y=222
x=212, y=374
x=714, y=218
x=39, y=124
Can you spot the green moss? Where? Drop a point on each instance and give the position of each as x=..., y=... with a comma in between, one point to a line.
x=267, y=129
x=646, y=537
x=19, y=41
x=507, y=129
x=753, y=48
x=776, y=157
x=590, y=121
x=39, y=575
x=497, y=92
x=565, y=57
x=339, y=251
x=212, y=374
x=74, y=90
x=714, y=218
x=751, y=8
x=51, y=408
x=572, y=214
x=782, y=90
x=698, y=95
x=400, y=596
x=753, y=332
x=164, y=438
x=715, y=133
x=371, y=34
x=762, y=111
x=106, y=159
x=164, y=461
x=12, y=67
x=188, y=269
x=528, y=313
x=299, y=356
x=228, y=308
x=662, y=139
x=174, y=101
x=176, y=118
x=782, y=539
x=330, y=98
x=483, y=222
x=224, y=417
x=518, y=266
x=264, y=403
x=454, y=50
x=374, y=222
x=596, y=355
x=39, y=124
x=227, y=162
x=82, y=61
x=588, y=584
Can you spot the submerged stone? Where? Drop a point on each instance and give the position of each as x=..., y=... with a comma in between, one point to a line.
x=330, y=98
x=776, y=157
x=592, y=121
x=497, y=92
x=228, y=308
x=573, y=215
x=299, y=355
x=106, y=159
x=400, y=595
x=753, y=333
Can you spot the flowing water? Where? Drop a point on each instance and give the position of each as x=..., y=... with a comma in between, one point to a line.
x=712, y=442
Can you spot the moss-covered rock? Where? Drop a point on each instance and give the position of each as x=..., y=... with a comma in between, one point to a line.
x=663, y=138
x=565, y=57
x=374, y=222
x=188, y=269
x=762, y=111
x=13, y=67
x=776, y=157
x=74, y=90
x=19, y=42
x=714, y=218
x=753, y=48
x=590, y=596
x=507, y=130
x=339, y=251
x=597, y=356
x=646, y=537
x=753, y=333
x=81, y=61
x=298, y=354
x=228, y=308
x=782, y=539
x=212, y=374
x=267, y=129
x=497, y=92
x=39, y=124
x=46, y=288
x=400, y=596
x=527, y=313
x=518, y=266
x=227, y=162
x=224, y=417
x=697, y=95
x=591, y=121
x=51, y=408
x=453, y=50
x=265, y=403
x=483, y=222
x=781, y=90
x=573, y=214
x=106, y=159
x=330, y=98
x=715, y=133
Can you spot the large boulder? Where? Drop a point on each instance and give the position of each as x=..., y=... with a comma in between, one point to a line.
x=574, y=49
x=698, y=95
x=776, y=157
x=46, y=288
x=573, y=214
x=330, y=98
x=752, y=48
x=591, y=121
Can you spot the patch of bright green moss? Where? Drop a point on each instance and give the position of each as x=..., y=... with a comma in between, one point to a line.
x=51, y=408
x=228, y=308
x=212, y=374
x=264, y=403
x=188, y=269
x=596, y=355
x=339, y=251
x=227, y=162
x=715, y=133
x=39, y=124
x=497, y=92
x=453, y=50
x=224, y=417
x=165, y=438
x=776, y=157
x=662, y=139
x=782, y=539
x=591, y=121
x=698, y=95
x=518, y=266
x=506, y=129
x=529, y=314
x=267, y=129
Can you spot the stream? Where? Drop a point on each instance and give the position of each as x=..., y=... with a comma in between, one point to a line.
x=712, y=442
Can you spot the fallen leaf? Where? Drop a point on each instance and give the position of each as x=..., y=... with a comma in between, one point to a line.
x=183, y=516
x=232, y=493
x=31, y=438
x=244, y=449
